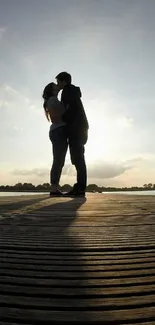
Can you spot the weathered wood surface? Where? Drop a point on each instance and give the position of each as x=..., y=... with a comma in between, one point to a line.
x=72, y=260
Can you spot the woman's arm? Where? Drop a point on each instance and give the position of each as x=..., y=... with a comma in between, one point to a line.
x=46, y=110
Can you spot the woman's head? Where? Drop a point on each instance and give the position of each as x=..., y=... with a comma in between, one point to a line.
x=50, y=90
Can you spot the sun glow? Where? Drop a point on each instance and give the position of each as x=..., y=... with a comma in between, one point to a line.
x=102, y=141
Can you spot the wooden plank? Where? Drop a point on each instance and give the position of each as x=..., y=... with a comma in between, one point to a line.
x=93, y=234
x=69, y=245
x=75, y=262
x=75, y=283
x=147, y=322
x=85, y=291
x=80, y=275
x=104, y=302
x=83, y=215
x=76, y=247
x=135, y=323
x=80, y=236
x=73, y=268
x=73, y=255
x=6, y=323
x=84, y=237
x=134, y=314
x=83, y=223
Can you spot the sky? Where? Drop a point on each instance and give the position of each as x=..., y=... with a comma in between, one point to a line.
x=108, y=46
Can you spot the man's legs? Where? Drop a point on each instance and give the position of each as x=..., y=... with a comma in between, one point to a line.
x=77, y=151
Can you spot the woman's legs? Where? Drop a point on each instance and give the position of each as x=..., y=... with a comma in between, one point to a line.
x=58, y=138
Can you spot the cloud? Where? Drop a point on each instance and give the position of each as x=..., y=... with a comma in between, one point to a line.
x=16, y=99
x=11, y=97
x=2, y=32
x=106, y=170
x=125, y=122
x=37, y=172
x=134, y=171
x=18, y=129
x=99, y=170
x=17, y=109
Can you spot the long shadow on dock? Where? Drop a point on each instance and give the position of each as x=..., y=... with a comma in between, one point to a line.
x=42, y=275
x=8, y=203
x=57, y=267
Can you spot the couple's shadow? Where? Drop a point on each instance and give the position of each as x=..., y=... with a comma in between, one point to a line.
x=66, y=211
x=61, y=218
x=65, y=243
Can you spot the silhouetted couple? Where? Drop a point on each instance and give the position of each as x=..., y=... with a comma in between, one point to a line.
x=69, y=128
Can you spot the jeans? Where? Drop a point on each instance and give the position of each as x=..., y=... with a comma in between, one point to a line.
x=59, y=141
x=77, y=151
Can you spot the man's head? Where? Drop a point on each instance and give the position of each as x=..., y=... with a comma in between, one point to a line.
x=63, y=79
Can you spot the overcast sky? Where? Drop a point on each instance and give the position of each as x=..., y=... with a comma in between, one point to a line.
x=109, y=48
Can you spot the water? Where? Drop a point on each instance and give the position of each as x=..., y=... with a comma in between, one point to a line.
x=20, y=193
x=37, y=193
x=133, y=192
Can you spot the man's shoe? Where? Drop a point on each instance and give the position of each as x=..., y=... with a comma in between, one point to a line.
x=74, y=193
x=56, y=194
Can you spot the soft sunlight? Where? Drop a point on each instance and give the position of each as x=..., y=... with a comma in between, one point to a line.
x=99, y=144
x=110, y=55
x=106, y=135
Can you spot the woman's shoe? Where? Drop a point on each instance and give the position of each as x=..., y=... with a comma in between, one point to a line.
x=56, y=194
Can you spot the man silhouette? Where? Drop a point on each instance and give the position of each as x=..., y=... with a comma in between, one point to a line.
x=77, y=129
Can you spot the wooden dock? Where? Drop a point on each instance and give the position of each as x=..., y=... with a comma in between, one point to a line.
x=70, y=261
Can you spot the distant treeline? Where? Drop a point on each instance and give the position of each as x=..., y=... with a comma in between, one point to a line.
x=19, y=187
